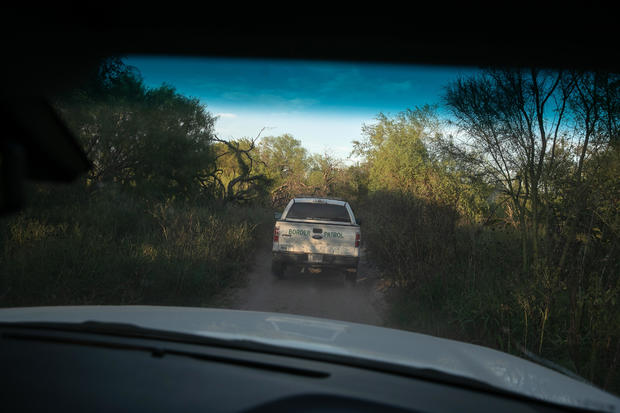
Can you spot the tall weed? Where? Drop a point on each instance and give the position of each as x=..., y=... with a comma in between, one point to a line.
x=110, y=247
x=465, y=282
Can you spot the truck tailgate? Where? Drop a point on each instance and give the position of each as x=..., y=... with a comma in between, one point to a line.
x=310, y=238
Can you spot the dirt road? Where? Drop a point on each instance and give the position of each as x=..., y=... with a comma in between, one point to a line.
x=310, y=292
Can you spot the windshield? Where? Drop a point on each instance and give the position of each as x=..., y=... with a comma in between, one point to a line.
x=317, y=211
x=488, y=199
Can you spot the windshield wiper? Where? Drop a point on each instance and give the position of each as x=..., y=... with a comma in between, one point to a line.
x=551, y=365
x=32, y=332
x=116, y=329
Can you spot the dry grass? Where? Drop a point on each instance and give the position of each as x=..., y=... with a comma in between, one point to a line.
x=112, y=248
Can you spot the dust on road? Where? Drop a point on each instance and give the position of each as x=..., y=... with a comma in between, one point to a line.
x=322, y=294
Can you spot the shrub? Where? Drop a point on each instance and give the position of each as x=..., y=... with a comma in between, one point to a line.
x=116, y=248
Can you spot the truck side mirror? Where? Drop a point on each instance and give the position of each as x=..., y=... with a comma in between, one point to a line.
x=358, y=221
x=277, y=215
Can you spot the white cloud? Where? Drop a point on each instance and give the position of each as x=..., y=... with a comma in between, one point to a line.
x=226, y=115
x=318, y=131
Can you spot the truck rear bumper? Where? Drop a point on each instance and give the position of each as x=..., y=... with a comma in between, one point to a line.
x=336, y=261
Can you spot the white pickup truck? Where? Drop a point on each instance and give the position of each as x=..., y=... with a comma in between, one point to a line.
x=317, y=232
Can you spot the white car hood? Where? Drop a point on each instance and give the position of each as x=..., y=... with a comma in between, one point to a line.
x=493, y=367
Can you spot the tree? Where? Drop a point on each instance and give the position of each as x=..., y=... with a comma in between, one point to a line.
x=395, y=148
x=285, y=162
x=237, y=175
x=325, y=172
x=548, y=139
x=505, y=114
x=400, y=154
x=153, y=140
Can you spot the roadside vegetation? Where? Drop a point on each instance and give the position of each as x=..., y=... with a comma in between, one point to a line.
x=111, y=247
x=507, y=234
x=150, y=223
x=498, y=224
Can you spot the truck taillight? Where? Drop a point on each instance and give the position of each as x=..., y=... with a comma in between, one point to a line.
x=276, y=234
x=358, y=239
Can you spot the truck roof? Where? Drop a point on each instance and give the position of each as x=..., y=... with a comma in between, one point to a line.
x=319, y=200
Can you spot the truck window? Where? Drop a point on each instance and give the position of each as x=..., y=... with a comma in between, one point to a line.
x=319, y=212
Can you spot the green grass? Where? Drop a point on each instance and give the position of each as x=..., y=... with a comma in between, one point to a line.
x=113, y=248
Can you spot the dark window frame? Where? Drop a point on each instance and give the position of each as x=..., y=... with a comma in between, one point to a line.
x=330, y=212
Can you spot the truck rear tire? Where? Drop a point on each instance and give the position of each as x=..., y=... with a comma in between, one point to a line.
x=350, y=276
x=277, y=269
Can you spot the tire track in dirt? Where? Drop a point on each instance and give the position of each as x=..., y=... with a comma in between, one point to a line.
x=316, y=293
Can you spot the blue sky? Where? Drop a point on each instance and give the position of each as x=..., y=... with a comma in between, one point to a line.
x=323, y=104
